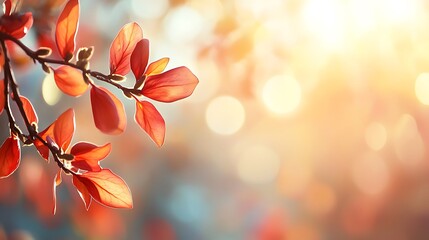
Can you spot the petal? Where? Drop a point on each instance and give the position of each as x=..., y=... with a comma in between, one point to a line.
x=107, y=188
x=2, y=99
x=29, y=110
x=151, y=121
x=10, y=155
x=122, y=47
x=140, y=58
x=108, y=111
x=87, y=155
x=64, y=129
x=83, y=191
x=65, y=32
x=170, y=86
x=157, y=67
x=57, y=182
x=70, y=81
x=16, y=25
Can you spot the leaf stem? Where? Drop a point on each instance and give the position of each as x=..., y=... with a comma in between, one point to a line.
x=43, y=60
x=33, y=134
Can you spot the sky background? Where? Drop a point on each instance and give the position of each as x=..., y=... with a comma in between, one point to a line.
x=310, y=121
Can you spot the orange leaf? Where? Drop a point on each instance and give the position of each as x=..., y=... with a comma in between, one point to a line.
x=108, y=111
x=65, y=33
x=70, y=81
x=64, y=129
x=16, y=25
x=157, y=67
x=10, y=155
x=82, y=190
x=67, y=123
x=122, y=47
x=170, y=86
x=29, y=110
x=57, y=182
x=107, y=188
x=2, y=99
x=140, y=58
x=87, y=155
x=151, y=121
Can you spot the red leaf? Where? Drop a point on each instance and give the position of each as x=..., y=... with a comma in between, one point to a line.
x=83, y=191
x=70, y=81
x=2, y=99
x=29, y=110
x=87, y=155
x=170, y=86
x=16, y=25
x=57, y=182
x=122, y=47
x=63, y=139
x=64, y=129
x=157, y=67
x=108, y=111
x=151, y=121
x=10, y=155
x=140, y=58
x=107, y=188
x=65, y=33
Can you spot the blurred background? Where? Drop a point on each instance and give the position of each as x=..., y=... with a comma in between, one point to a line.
x=310, y=121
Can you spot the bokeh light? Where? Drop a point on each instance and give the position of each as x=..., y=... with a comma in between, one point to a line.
x=375, y=136
x=281, y=94
x=225, y=115
x=183, y=24
x=422, y=88
x=50, y=92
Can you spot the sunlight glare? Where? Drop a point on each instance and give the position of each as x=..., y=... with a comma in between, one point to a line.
x=324, y=19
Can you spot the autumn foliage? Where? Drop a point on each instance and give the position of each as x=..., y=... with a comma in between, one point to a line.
x=129, y=53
